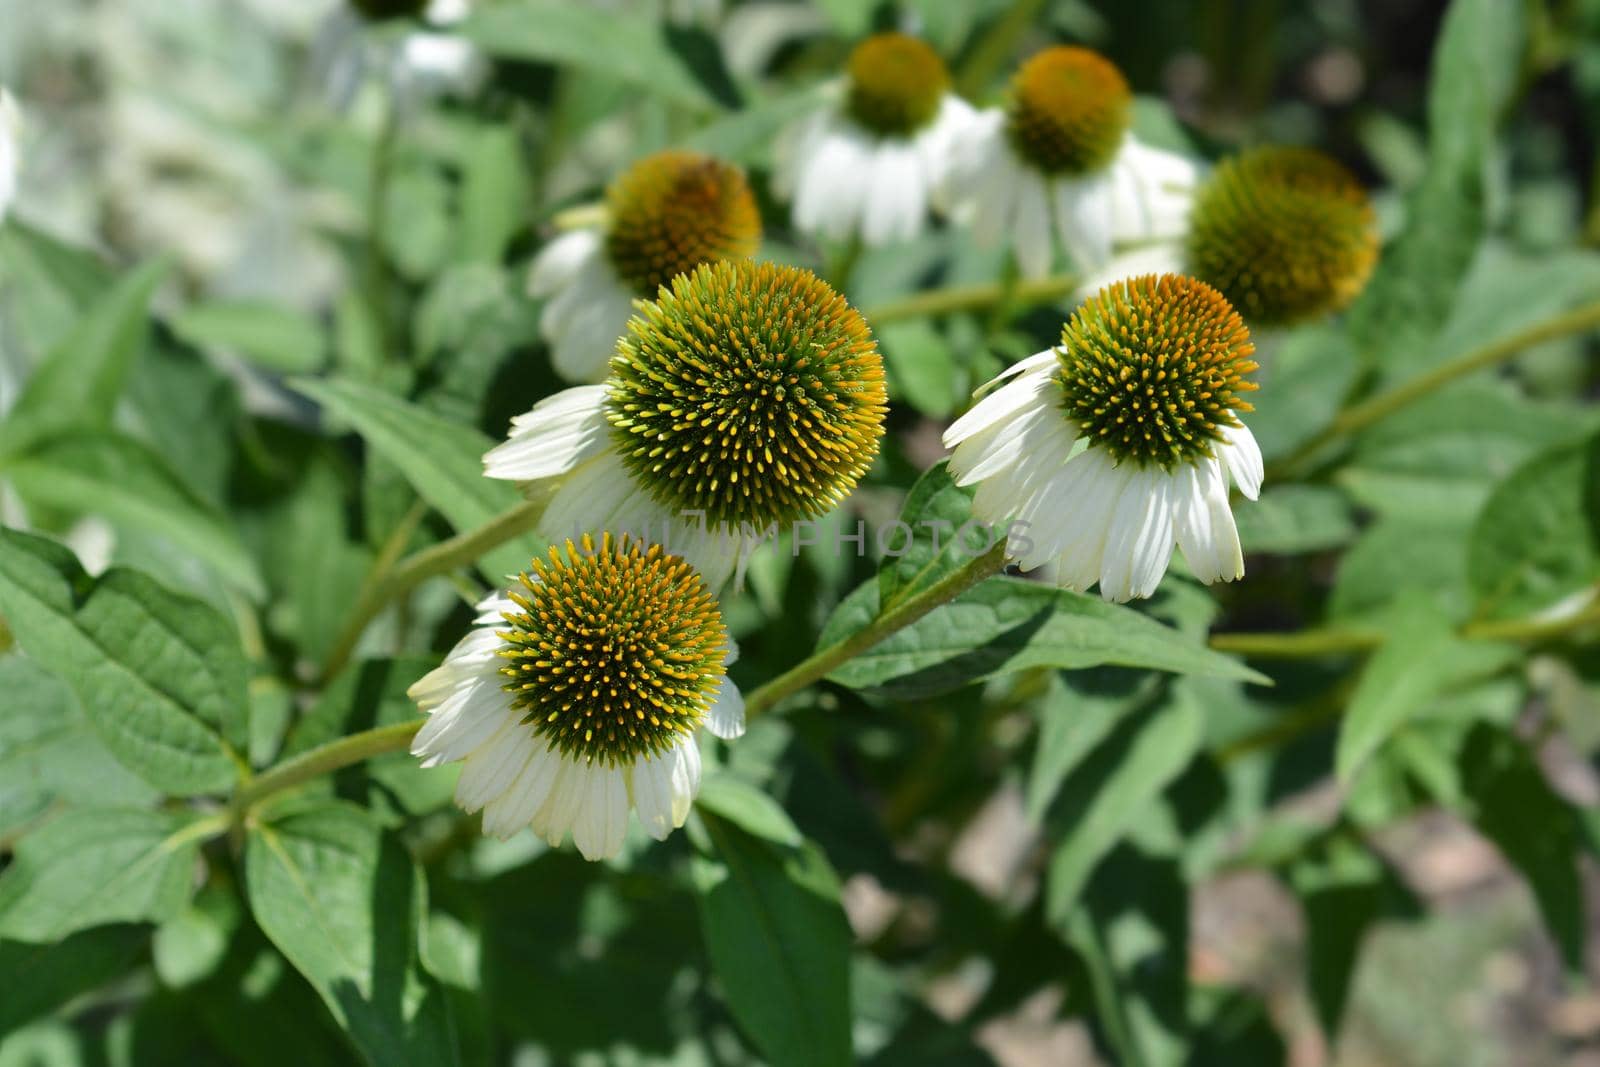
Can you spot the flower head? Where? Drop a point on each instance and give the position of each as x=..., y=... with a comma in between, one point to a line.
x=748, y=395
x=1070, y=108
x=750, y=392
x=579, y=694
x=896, y=83
x=667, y=214
x=1152, y=370
x=867, y=161
x=1106, y=452
x=1058, y=168
x=672, y=211
x=1286, y=233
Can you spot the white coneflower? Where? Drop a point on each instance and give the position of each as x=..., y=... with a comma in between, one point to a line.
x=748, y=396
x=1286, y=234
x=1107, y=451
x=867, y=163
x=578, y=696
x=10, y=161
x=665, y=215
x=1059, y=166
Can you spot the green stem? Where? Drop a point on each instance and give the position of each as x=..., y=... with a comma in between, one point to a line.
x=990, y=53
x=437, y=559
x=1016, y=295
x=1359, y=417
x=325, y=759
x=1311, y=643
x=821, y=663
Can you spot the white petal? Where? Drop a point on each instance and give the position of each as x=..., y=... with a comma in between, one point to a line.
x=1096, y=484
x=515, y=807
x=465, y=720
x=685, y=779
x=589, y=500
x=557, y=435
x=1082, y=210
x=1203, y=523
x=10, y=125
x=1030, y=226
x=652, y=793
x=490, y=770
x=1002, y=403
x=896, y=199
x=602, y=819
x=558, y=262
x=725, y=717
x=1242, y=456
x=1139, y=540
x=1161, y=258
x=584, y=352
x=555, y=816
x=1152, y=192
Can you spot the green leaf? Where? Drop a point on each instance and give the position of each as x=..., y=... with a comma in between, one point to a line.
x=38, y=979
x=1400, y=559
x=268, y=335
x=1290, y=519
x=51, y=282
x=1476, y=66
x=614, y=44
x=1113, y=787
x=159, y=674
x=48, y=753
x=925, y=548
x=1419, y=658
x=1313, y=369
x=95, y=866
x=779, y=943
x=442, y=460
x=79, y=382
x=1537, y=541
x=494, y=194
x=748, y=808
x=1078, y=713
x=1537, y=831
x=1008, y=624
x=922, y=367
x=102, y=472
x=345, y=903
x=747, y=135
x=1344, y=889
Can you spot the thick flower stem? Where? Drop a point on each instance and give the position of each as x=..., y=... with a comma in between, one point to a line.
x=1018, y=295
x=324, y=759
x=385, y=585
x=897, y=618
x=1353, y=420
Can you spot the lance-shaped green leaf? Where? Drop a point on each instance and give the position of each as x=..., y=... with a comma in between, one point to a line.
x=344, y=901
x=159, y=674
x=81, y=378
x=95, y=866
x=1008, y=624
x=102, y=472
x=1113, y=786
x=442, y=460
x=266, y=334
x=779, y=943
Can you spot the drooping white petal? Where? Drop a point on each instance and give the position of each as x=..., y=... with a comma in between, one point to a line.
x=602, y=818
x=10, y=157
x=935, y=144
x=584, y=352
x=1140, y=539
x=515, y=807
x=1082, y=211
x=1152, y=192
x=491, y=768
x=556, y=815
x=556, y=435
x=896, y=201
x=467, y=718
x=1242, y=456
x=1030, y=225
x=1096, y=483
x=558, y=262
x=652, y=793
x=1203, y=523
x=1019, y=393
x=685, y=779
x=725, y=716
